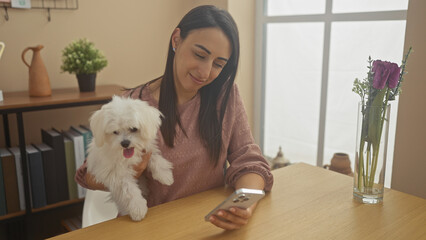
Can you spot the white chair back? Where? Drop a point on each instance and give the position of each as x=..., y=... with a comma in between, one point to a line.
x=97, y=208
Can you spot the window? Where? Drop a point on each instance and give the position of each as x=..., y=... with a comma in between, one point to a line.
x=308, y=54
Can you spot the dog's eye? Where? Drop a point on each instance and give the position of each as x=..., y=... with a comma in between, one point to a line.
x=115, y=132
x=133, y=129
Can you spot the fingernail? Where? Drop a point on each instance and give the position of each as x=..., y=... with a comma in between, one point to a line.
x=232, y=210
x=220, y=213
x=211, y=219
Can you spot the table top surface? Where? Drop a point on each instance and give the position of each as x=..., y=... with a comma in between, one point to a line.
x=306, y=202
x=22, y=100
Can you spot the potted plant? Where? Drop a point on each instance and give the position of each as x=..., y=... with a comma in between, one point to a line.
x=83, y=59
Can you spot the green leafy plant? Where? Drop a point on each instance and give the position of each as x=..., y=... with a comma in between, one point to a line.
x=81, y=57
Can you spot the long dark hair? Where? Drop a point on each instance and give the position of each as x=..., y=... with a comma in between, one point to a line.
x=209, y=121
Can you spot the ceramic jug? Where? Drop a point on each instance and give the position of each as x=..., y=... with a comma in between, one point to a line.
x=340, y=163
x=39, y=84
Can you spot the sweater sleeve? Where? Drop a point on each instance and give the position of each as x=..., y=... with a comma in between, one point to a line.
x=244, y=155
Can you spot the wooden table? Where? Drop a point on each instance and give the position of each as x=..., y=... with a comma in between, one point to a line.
x=306, y=202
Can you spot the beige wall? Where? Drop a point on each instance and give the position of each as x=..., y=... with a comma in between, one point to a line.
x=134, y=39
x=243, y=12
x=189, y=4
x=409, y=164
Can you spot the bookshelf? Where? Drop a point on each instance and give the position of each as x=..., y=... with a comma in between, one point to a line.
x=19, y=103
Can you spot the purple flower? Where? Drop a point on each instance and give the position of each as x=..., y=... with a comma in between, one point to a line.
x=385, y=72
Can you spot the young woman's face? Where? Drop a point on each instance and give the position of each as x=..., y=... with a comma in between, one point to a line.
x=199, y=58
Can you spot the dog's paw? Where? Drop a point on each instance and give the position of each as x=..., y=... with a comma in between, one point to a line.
x=138, y=215
x=161, y=169
x=138, y=209
x=166, y=177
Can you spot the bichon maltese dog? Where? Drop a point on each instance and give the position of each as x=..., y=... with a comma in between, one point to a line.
x=123, y=130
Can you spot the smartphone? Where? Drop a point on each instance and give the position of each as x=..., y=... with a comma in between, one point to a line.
x=242, y=198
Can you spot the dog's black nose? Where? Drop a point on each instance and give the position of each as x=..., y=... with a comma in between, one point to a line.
x=125, y=143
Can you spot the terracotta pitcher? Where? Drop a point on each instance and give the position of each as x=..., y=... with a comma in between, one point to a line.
x=340, y=163
x=39, y=84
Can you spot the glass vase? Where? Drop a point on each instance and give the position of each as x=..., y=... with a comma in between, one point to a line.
x=370, y=155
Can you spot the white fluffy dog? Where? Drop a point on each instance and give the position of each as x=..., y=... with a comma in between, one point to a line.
x=123, y=130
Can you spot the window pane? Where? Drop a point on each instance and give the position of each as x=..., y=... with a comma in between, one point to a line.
x=293, y=84
x=294, y=7
x=351, y=44
x=347, y=6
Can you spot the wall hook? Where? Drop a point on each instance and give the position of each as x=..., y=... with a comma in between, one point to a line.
x=48, y=14
x=6, y=16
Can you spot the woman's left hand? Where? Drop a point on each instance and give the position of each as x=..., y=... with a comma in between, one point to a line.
x=235, y=218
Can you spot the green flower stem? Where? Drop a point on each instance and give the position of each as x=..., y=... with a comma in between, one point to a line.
x=376, y=147
x=361, y=165
x=373, y=165
x=367, y=165
x=397, y=90
x=371, y=132
x=361, y=148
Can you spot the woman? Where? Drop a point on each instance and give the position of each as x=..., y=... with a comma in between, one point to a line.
x=204, y=122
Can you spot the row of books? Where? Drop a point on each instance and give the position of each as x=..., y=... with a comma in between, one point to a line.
x=51, y=168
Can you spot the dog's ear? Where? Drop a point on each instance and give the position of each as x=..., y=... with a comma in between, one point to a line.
x=149, y=121
x=97, y=126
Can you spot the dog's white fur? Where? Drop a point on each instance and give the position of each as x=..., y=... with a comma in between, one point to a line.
x=136, y=123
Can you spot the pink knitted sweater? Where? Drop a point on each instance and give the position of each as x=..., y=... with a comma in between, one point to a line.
x=193, y=172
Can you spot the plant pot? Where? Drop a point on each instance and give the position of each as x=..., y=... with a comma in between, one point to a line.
x=87, y=82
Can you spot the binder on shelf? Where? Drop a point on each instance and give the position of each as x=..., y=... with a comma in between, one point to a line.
x=49, y=169
x=36, y=173
x=87, y=128
x=10, y=181
x=87, y=137
x=3, y=208
x=20, y=178
x=55, y=140
x=78, y=141
x=71, y=168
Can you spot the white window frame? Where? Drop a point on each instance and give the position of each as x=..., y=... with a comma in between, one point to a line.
x=260, y=56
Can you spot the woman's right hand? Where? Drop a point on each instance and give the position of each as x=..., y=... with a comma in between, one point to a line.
x=139, y=169
x=93, y=184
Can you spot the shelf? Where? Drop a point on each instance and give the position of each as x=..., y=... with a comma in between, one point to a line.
x=12, y=215
x=61, y=98
x=56, y=205
x=48, y=207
